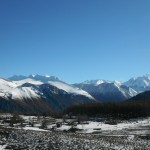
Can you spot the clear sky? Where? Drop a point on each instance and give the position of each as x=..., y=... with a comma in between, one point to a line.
x=75, y=40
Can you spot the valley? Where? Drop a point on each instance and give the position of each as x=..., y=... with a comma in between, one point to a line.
x=45, y=113
x=90, y=135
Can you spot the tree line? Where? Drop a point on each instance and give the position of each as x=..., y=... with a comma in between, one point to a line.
x=127, y=109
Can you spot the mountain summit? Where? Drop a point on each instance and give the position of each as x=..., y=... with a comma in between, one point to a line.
x=139, y=84
x=41, y=78
x=103, y=90
x=39, y=94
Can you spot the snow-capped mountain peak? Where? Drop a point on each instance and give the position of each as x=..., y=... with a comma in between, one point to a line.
x=37, y=77
x=139, y=84
x=14, y=90
x=100, y=81
x=30, y=87
x=44, y=79
x=94, y=82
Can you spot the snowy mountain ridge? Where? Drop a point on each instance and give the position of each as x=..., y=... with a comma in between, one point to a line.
x=139, y=84
x=15, y=90
x=93, y=89
x=39, y=94
x=111, y=90
x=18, y=90
x=41, y=78
x=36, y=93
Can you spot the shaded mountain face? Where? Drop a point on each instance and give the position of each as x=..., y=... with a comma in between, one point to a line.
x=142, y=97
x=30, y=95
x=104, y=91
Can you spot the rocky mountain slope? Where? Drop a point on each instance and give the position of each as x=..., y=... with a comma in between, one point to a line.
x=139, y=84
x=40, y=95
x=103, y=90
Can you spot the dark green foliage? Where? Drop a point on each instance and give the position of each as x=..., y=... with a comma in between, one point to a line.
x=138, y=106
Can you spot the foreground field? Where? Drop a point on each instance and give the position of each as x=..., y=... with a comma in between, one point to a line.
x=46, y=140
x=46, y=133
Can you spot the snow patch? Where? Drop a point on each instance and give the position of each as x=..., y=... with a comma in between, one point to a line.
x=70, y=89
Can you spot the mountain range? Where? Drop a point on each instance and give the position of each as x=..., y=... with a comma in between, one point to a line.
x=104, y=90
x=36, y=93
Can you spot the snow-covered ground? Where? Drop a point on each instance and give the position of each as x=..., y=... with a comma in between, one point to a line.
x=91, y=136
x=103, y=128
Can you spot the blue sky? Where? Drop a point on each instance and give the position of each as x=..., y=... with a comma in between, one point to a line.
x=75, y=40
